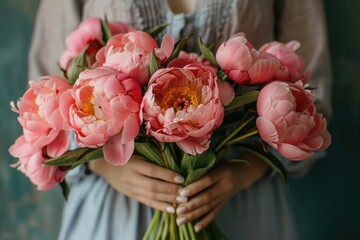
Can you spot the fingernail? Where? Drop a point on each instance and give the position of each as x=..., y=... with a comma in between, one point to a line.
x=179, y=179
x=170, y=209
x=197, y=228
x=180, y=220
x=181, y=199
x=184, y=192
x=181, y=210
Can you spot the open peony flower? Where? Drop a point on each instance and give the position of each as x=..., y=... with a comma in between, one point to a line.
x=31, y=157
x=245, y=65
x=288, y=58
x=38, y=110
x=43, y=131
x=103, y=109
x=88, y=34
x=289, y=122
x=130, y=53
x=182, y=105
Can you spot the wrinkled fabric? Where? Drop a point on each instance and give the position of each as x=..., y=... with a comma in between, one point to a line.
x=95, y=210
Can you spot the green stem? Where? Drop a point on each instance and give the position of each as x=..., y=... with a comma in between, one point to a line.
x=242, y=137
x=151, y=228
x=160, y=228
x=228, y=138
x=191, y=230
x=164, y=234
x=173, y=228
x=184, y=229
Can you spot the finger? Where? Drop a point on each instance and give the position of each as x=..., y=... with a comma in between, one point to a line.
x=154, y=185
x=141, y=192
x=208, y=218
x=198, y=186
x=202, y=198
x=162, y=206
x=158, y=172
x=185, y=216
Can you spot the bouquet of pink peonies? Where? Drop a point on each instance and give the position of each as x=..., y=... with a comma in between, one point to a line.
x=122, y=95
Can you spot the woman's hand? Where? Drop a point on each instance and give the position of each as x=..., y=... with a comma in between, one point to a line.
x=145, y=182
x=209, y=194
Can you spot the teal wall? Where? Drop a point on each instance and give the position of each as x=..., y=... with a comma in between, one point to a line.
x=326, y=201
x=25, y=213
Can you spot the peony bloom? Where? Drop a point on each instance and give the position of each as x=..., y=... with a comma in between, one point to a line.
x=290, y=60
x=43, y=131
x=38, y=110
x=245, y=65
x=103, y=109
x=182, y=105
x=88, y=34
x=289, y=122
x=31, y=157
x=130, y=53
x=185, y=58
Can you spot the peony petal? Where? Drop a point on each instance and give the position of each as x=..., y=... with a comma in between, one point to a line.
x=116, y=153
x=267, y=130
x=194, y=146
x=292, y=152
x=59, y=145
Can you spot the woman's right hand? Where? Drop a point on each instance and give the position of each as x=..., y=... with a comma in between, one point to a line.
x=145, y=182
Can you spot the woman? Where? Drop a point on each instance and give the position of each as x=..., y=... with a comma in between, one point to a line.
x=247, y=202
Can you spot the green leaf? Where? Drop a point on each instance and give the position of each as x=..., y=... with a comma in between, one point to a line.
x=179, y=45
x=194, y=167
x=106, y=31
x=207, y=53
x=267, y=157
x=150, y=153
x=78, y=64
x=67, y=159
x=171, y=160
x=154, y=31
x=155, y=63
x=242, y=100
x=91, y=154
x=65, y=189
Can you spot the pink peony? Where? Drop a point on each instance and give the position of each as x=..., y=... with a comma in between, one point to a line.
x=245, y=65
x=103, y=109
x=182, y=105
x=31, y=157
x=88, y=34
x=289, y=122
x=288, y=58
x=44, y=131
x=38, y=109
x=130, y=53
x=185, y=58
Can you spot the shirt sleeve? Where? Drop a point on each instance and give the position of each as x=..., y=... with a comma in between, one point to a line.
x=55, y=20
x=304, y=21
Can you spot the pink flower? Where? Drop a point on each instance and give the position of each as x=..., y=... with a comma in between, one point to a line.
x=288, y=58
x=38, y=109
x=88, y=34
x=182, y=105
x=43, y=130
x=289, y=122
x=185, y=58
x=130, y=53
x=103, y=109
x=31, y=157
x=244, y=64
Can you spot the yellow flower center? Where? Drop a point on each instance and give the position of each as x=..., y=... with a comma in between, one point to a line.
x=88, y=106
x=180, y=98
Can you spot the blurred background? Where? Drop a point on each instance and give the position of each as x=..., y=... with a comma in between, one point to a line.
x=325, y=202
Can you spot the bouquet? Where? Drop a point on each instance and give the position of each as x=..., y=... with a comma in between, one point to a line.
x=122, y=95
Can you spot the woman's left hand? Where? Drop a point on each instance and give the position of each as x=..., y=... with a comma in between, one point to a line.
x=209, y=194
